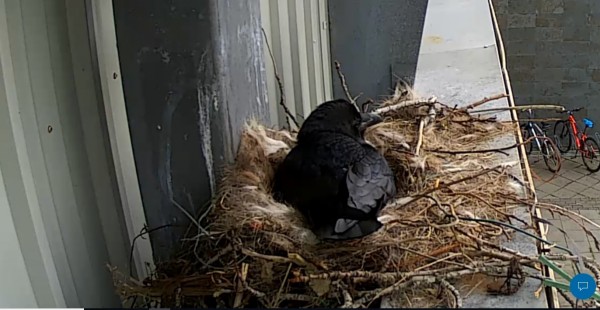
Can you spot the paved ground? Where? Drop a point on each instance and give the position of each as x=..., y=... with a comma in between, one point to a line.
x=576, y=189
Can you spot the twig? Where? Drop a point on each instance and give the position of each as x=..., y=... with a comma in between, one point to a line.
x=489, y=204
x=408, y=200
x=222, y=252
x=567, y=297
x=242, y=276
x=406, y=281
x=405, y=104
x=276, y=300
x=387, y=277
x=524, y=107
x=485, y=100
x=458, y=301
x=564, y=211
x=498, y=150
x=237, y=302
x=287, y=111
x=143, y=232
x=297, y=297
x=190, y=217
x=420, y=139
x=517, y=229
x=433, y=255
x=278, y=259
x=347, y=297
x=344, y=85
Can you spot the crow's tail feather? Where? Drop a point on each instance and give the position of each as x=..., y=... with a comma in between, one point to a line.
x=360, y=229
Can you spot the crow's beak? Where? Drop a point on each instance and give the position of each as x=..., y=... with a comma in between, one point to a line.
x=369, y=119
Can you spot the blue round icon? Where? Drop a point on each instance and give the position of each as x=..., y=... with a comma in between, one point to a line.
x=582, y=286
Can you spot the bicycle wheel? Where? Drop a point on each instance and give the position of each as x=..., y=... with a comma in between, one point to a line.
x=562, y=136
x=590, y=155
x=528, y=146
x=551, y=154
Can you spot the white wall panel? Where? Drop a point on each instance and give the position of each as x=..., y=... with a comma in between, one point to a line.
x=55, y=164
x=299, y=38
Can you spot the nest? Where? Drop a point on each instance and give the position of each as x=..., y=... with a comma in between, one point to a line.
x=452, y=195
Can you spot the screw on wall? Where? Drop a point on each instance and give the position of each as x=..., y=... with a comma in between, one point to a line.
x=50, y=129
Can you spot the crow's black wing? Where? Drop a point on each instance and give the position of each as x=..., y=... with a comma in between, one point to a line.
x=370, y=183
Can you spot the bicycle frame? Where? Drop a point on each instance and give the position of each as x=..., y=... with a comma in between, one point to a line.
x=575, y=132
x=535, y=132
x=532, y=127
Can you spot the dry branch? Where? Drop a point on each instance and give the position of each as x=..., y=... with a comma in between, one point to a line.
x=344, y=85
x=406, y=104
x=524, y=107
x=485, y=100
x=287, y=111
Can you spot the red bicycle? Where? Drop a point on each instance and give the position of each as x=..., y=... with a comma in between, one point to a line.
x=565, y=131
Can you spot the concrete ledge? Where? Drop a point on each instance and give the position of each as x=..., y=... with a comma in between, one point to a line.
x=459, y=64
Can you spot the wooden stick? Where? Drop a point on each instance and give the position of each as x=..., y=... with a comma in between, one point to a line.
x=524, y=107
x=420, y=140
x=485, y=100
x=405, y=104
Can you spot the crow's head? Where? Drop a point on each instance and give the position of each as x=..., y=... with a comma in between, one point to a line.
x=338, y=116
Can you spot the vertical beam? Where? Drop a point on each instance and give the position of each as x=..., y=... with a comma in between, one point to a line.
x=19, y=197
x=301, y=43
x=87, y=96
x=118, y=128
x=325, y=48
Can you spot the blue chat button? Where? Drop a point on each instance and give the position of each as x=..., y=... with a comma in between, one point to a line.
x=582, y=286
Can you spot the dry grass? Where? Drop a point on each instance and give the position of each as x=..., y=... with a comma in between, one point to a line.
x=259, y=252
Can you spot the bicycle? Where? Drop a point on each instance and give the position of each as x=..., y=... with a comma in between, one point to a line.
x=532, y=132
x=566, y=130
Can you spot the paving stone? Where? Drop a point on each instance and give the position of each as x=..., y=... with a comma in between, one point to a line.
x=575, y=189
x=569, y=164
x=591, y=193
x=544, y=174
x=548, y=215
x=582, y=169
x=560, y=181
x=571, y=175
x=549, y=188
x=595, y=176
x=589, y=181
x=578, y=188
x=562, y=302
x=564, y=193
x=541, y=194
x=554, y=235
x=591, y=214
x=575, y=233
x=555, y=224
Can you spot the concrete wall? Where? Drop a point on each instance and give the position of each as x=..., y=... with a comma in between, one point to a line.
x=553, y=51
x=193, y=73
x=376, y=42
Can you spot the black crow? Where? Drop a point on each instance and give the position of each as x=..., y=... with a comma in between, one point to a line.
x=335, y=178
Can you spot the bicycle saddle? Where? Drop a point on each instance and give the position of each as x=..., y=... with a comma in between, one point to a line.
x=588, y=122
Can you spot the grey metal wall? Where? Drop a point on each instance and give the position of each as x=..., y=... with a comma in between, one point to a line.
x=62, y=220
x=376, y=42
x=553, y=51
x=192, y=74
